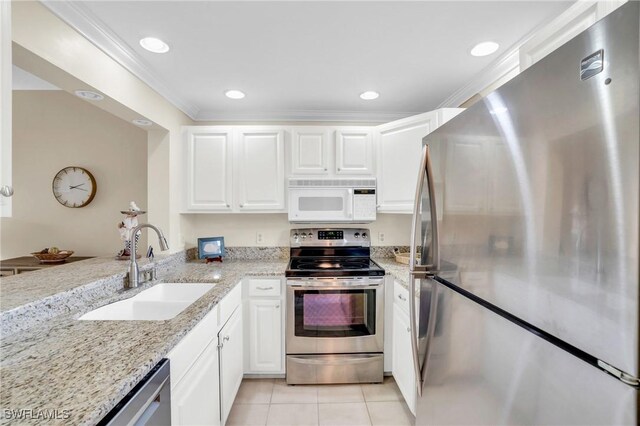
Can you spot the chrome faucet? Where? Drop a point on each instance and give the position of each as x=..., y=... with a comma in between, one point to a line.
x=134, y=271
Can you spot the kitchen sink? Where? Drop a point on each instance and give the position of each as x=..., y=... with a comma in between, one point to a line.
x=158, y=303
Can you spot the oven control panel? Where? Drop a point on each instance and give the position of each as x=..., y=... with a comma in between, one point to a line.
x=325, y=237
x=331, y=235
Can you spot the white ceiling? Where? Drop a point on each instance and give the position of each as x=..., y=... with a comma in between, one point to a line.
x=307, y=60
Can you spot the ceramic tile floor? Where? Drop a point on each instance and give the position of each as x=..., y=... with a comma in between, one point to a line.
x=272, y=402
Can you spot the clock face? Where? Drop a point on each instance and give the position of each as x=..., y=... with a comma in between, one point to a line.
x=74, y=187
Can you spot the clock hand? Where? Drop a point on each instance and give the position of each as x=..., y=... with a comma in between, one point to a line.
x=75, y=186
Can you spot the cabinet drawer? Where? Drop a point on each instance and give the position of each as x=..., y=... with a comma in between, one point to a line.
x=229, y=304
x=264, y=287
x=401, y=297
x=192, y=345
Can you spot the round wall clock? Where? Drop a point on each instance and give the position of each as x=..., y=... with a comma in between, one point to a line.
x=74, y=187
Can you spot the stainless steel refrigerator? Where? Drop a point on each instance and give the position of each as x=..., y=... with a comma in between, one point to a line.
x=525, y=244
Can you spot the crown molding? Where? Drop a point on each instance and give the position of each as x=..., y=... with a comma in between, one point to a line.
x=305, y=115
x=506, y=63
x=99, y=34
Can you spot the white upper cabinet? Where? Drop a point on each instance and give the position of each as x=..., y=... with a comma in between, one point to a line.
x=354, y=151
x=310, y=150
x=209, y=169
x=260, y=168
x=399, y=147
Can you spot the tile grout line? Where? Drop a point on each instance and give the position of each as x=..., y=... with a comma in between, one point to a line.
x=366, y=405
x=273, y=388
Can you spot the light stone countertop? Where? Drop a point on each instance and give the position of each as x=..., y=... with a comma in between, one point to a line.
x=398, y=270
x=22, y=289
x=86, y=367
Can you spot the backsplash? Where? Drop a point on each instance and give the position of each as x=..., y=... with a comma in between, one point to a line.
x=248, y=253
x=272, y=253
x=387, y=251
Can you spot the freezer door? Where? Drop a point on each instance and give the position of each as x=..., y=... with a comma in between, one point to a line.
x=485, y=370
x=539, y=188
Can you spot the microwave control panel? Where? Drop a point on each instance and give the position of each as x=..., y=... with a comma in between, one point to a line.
x=364, y=204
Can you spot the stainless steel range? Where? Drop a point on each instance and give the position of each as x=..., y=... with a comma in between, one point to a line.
x=335, y=305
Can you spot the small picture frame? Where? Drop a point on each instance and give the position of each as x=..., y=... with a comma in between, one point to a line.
x=211, y=248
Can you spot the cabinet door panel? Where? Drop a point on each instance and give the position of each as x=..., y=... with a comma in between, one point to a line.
x=231, y=361
x=399, y=152
x=195, y=400
x=265, y=336
x=260, y=164
x=209, y=169
x=310, y=151
x=354, y=151
x=403, y=372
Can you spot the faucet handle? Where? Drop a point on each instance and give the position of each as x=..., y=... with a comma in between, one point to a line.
x=150, y=254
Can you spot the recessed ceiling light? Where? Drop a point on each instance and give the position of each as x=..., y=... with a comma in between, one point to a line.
x=89, y=95
x=142, y=122
x=369, y=95
x=234, y=94
x=484, y=48
x=154, y=45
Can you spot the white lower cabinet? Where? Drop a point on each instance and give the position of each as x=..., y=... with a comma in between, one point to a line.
x=265, y=335
x=403, y=370
x=231, y=369
x=264, y=326
x=206, y=366
x=194, y=400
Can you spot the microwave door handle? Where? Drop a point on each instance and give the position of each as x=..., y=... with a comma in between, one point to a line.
x=350, y=202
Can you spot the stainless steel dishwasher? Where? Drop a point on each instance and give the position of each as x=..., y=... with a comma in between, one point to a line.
x=148, y=403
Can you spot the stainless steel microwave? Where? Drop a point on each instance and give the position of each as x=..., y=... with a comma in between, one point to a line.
x=340, y=200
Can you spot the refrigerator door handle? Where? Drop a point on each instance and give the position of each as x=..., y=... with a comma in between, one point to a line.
x=414, y=332
x=421, y=372
x=431, y=329
x=426, y=171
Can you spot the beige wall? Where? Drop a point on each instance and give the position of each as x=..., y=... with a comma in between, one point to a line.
x=52, y=130
x=50, y=49
x=241, y=229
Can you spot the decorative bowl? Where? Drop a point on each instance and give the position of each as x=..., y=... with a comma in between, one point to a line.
x=52, y=258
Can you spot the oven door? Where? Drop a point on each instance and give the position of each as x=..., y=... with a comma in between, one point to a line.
x=335, y=316
x=320, y=205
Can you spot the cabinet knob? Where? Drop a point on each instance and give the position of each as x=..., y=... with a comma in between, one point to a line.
x=325, y=169
x=401, y=297
x=408, y=329
x=277, y=306
x=339, y=169
x=228, y=206
x=241, y=205
x=225, y=339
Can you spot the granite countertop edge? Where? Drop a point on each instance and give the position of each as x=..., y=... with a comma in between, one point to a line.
x=90, y=352
x=120, y=360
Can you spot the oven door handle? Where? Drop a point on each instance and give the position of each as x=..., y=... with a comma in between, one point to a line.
x=336, y=287
x=324, y=361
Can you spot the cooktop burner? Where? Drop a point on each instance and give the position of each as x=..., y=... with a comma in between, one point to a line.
x=332, y=267
x=331, y=253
